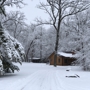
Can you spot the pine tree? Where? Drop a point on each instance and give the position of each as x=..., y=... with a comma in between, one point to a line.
x=10, y=50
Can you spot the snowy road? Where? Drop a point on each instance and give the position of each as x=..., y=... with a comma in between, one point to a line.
x=43, y=80
x=45, y=77
x=40, y=80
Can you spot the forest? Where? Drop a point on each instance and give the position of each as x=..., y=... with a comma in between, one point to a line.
x=69, y=32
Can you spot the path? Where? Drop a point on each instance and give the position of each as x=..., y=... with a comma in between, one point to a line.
x=40, y=80
x=43, y=80
x=45, y=77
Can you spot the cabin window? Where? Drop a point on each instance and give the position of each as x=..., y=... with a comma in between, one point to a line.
x=59, y=60
x=65, y=61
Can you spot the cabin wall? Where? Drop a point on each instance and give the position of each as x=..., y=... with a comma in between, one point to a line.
x=58, y=61
x=67, y=61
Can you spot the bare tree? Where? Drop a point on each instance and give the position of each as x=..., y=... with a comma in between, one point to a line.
x=29, y=48
x=4, y=3
x=81, y=29
x=41, y=44
x=30, y=43
x=14, y=22
x=57, y=11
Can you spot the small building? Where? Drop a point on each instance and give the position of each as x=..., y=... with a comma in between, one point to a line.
x=35, y=60
x=62, y=58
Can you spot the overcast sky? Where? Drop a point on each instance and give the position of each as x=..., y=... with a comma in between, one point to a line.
x=31, y=11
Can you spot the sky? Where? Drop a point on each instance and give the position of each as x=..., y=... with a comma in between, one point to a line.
x=31, y=11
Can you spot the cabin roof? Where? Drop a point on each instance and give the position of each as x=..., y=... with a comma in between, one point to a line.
x=34, y=58
x=67, y=54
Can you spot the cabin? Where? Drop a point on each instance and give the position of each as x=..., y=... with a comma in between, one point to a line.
x=63, y=58
x=35, y=60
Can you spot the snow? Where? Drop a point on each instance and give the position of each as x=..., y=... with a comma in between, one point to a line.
x=34, y=58
x=13, y=53
x=40, y=76
x=66, y=54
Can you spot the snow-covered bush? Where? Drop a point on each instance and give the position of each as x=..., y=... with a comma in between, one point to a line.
x=10, y=50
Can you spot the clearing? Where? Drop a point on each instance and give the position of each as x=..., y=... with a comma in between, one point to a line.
x=40, y=76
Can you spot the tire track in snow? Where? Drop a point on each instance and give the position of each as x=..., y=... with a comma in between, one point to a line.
x=36, y=82
x=21, y=83
x=40, y=80
x=45, y=81
x=59, y=82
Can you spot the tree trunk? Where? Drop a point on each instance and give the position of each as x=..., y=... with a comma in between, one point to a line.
x=27, y=52
x=26, y=59
x=56, y=47
x=57, y=34
x=41, y=45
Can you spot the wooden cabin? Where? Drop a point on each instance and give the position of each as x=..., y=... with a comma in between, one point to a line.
x=62, y=58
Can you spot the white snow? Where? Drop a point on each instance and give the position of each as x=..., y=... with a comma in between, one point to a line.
x=34, y=76
x=34, y=58
x=66, y=54
x=11, y=49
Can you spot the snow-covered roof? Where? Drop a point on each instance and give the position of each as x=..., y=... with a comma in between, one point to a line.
x=66, y=54
x=34, y=58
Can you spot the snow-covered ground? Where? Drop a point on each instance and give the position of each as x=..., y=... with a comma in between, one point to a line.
x=34, y=76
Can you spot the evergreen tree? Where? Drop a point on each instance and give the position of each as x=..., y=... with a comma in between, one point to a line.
x=10, y=49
